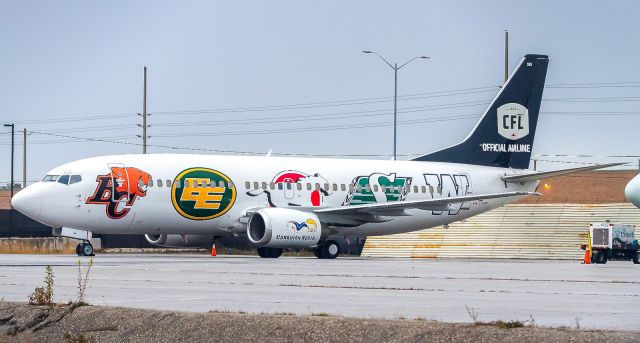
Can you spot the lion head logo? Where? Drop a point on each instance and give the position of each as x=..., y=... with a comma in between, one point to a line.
x=131, y=180
x=119, y=190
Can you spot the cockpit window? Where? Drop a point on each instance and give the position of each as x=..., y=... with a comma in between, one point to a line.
x=64, y=179
x=50, y=178
x=75, y=179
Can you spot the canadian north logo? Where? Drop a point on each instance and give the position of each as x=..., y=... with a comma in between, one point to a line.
x=513, y=121
x=310, y=224
x=202, y=193
x=119, y=189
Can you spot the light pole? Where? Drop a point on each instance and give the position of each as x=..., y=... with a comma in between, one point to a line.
x=395, y=68
x=12, y=126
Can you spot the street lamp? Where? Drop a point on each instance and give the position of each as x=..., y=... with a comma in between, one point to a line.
x=12, y=126
x=395, y=68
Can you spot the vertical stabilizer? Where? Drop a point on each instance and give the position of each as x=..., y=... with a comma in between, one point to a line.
x=504, y=135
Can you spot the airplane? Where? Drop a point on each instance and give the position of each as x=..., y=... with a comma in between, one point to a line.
x=283, y=202
x=632, y=191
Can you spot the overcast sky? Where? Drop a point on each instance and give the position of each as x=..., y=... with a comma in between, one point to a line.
x=249, y=76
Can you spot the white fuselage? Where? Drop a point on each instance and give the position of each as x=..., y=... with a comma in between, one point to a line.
x=303, y=183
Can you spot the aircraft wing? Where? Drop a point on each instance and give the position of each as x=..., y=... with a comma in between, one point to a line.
x=382, y=211
x=521, y=178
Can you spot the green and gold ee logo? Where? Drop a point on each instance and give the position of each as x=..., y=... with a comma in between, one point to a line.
x=202, y=193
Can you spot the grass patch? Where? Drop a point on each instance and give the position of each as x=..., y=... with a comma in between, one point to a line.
x=38, y=246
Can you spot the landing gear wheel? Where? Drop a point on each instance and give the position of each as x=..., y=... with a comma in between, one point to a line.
x=275, y=252
x=603, y=258
x=266, y=252
x=84, y=249
x=636, y=259
x=318, y=251
x=330, y=250
x=263, y=252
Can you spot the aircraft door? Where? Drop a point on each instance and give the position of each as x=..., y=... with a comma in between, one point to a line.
x=289, y=190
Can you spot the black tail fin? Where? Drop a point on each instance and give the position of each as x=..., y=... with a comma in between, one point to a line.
x=504, y=135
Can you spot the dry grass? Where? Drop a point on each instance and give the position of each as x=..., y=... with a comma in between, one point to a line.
x=40, y=246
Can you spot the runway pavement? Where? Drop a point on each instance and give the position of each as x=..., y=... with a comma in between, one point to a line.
x=554, y=293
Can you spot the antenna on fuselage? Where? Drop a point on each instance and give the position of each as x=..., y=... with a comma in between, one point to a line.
x=268, y=153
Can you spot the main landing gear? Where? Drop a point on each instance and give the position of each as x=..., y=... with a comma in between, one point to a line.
x=327, y=250
x=266, y=252
x=85, y=249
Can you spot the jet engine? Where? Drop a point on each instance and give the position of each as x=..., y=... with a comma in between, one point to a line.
x=180, y=241
x=284, y=228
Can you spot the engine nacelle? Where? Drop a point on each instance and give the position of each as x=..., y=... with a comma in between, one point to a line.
x=180, y=241
x=284, y=228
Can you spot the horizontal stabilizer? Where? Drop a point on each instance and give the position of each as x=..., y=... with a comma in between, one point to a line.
x=535, y=176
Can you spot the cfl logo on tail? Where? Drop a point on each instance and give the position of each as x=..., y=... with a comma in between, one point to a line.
x=513, y=121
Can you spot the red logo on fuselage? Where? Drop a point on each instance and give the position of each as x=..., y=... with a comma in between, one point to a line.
x=131, y=183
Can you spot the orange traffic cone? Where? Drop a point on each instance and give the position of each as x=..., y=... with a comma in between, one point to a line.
x=213, y=250
x=587, y=256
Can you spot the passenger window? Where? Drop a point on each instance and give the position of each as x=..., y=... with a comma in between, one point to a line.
x=326, y=186
x=64, y=179
x=424, y=189
x=342, y=187
x=367, y=188
x=75, y=179
x=308, y=186
x=399, y=188
x=335, y=187
x=299, y=186
x=168, y=183
x=359, y=188
x=159, y=182
x=221, y=184
x=247, y=185
x=272, y=186
x=256, y=185
x=415, y=189
x=289, y=185
x=375, y=188
x=280, y=186
x=264, y=185
x=177, y=184
x=150, y=182
x=187, y=183
x=317, y=186
x=230, y=184
x=351, y=187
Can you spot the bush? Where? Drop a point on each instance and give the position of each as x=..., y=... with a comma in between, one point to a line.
x=44, y=295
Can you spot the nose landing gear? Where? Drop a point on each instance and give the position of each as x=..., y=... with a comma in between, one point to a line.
x=85, y=249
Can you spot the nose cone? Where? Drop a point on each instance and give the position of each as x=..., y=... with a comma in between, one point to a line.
x=28, y=201
x=632, y=191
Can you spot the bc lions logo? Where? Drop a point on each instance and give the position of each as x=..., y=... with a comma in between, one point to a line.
x=130, y=183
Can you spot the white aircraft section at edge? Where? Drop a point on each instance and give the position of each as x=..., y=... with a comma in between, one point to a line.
x=632, y=191
x=301, y=202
